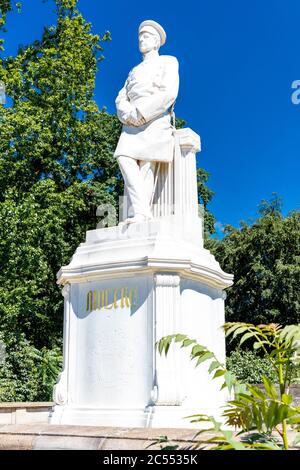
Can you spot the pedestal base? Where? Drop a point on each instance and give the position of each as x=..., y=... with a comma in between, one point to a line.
x=151, y=417
x=139, y=418
x=126, y=288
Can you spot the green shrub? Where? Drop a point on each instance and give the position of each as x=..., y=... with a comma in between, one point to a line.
x=257, y=412
x=248, y=367
x=27, y=374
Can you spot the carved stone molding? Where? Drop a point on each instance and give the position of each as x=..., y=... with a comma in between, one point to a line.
x=66, y=291
x=168, y=280
x=189, y=140
x=60, y=392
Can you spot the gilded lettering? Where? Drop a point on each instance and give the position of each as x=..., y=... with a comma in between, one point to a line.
x=89, y=301
x=94, y=300
x=115, y=298
x=108, y=298
x=107, y=305
x=124, y=297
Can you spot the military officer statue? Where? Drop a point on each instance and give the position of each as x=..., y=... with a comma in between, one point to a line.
x=125, y=289
x=143, y=106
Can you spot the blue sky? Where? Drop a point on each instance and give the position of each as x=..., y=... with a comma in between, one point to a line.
x=237, y=59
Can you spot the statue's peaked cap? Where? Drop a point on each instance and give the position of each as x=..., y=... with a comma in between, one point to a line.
x=157, y=27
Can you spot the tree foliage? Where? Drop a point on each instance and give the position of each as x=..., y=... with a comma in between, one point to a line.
x=6, y=6
x=265, y=260
x=27, y=374
x=249, y=367
x=56, y=166
x=205, y=195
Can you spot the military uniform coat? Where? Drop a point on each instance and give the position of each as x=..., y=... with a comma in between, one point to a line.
x=151, y=88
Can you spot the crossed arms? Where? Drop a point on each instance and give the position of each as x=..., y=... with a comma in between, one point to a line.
x=147, y=108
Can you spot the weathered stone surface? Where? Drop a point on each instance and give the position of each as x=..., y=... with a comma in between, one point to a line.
x=25, y=412
x=66, y=443
x=41, y=436
x=26, y=404
x=16, y=442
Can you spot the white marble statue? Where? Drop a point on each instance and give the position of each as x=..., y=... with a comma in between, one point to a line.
x=144, y=108
x=128, y=286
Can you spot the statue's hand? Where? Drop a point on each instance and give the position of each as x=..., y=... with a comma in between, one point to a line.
x=136, y=122
x=135, y=119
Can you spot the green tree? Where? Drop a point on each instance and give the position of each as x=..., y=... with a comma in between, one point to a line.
x=56, y=167
x=264, y=258
x=27, y=374
x=205, y=195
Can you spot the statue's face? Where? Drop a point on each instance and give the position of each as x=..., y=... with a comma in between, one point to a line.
x=147, y=42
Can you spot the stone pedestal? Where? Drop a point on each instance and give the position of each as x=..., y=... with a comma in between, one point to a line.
x=125, y=288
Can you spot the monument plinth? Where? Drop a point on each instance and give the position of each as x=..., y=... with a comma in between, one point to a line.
x=125, y=288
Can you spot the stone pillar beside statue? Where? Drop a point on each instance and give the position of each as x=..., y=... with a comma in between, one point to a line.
x=126, y=287
x=176, y=185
